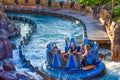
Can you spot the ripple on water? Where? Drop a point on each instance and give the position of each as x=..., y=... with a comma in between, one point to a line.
x=113, y=71
x=57, y=29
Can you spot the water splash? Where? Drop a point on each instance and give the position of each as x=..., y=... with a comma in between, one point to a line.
x=56, y=29
x=19, y=67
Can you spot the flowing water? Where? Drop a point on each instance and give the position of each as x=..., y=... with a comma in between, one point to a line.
x=56, y=30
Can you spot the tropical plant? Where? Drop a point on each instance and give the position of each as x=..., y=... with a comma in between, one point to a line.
x=93, y=2
x=117, y=19
x=116, y=11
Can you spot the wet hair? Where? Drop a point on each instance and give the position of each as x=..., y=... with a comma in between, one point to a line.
x=55, y=47
x=87, y=46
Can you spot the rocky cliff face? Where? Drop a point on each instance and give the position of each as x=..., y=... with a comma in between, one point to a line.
x=5, y=45
x=7, y=29
x=7, y=25
x=116, y=43
x=113, y=31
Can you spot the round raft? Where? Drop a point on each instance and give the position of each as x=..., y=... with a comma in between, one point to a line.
x=75, y=73
x=94, y=68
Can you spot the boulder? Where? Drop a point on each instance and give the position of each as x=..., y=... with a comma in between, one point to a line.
x=8, y=25
x=8, y=65
x=103, y=14
x=8, y=49
x=5, y=45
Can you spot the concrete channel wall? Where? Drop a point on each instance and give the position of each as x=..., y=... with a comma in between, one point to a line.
x=50, y=13
x=54, y=13
x=90, y=25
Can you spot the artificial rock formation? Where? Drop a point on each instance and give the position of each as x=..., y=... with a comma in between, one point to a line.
x=44, y=2
x=113, y=31
x=8, y=65
x=7, y=29
x=5, y=45
x=7, y=25
x=7, y=68
x=116, y=43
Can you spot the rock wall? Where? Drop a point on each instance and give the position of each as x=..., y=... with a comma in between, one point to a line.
x=5, y=45
x=116, y=43
x=7, y=68
x=7, y=25
x=113, y=31
x=7, y=29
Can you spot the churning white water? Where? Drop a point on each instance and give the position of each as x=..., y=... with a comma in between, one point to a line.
x=56, y=30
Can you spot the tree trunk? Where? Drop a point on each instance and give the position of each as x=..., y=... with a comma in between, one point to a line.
x=113, y=4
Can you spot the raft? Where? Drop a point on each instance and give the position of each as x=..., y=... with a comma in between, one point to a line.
x=94, y=67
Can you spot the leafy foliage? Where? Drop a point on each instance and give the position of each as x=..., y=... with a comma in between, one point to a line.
x=117, y=11
x=118, y=19
x=103, y=3
x=93, y=2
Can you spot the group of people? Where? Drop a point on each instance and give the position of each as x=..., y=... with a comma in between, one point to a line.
x=79, y=56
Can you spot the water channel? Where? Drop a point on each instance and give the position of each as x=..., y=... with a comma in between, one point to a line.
x=55, y=29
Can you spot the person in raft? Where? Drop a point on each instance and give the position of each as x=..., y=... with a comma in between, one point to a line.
x=62, y=59
x=86, y=53
x=55, y=49
x=82, y=49
x=80, y=53
x=73, y=50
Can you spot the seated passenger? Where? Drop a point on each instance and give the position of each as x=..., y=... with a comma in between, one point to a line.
x=73, y=49
x=83, y=56
x=86, y=48
x=82, y=50
x=61, y=56
x=51, y=53
x=55, y=49
x=62, y=59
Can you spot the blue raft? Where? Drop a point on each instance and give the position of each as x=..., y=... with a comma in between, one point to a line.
x=71, y=70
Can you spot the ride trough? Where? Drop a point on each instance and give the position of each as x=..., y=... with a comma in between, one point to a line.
x=93, y=66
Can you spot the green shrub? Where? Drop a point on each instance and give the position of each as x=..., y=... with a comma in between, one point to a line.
x=117, y=19
x=116, y=11
x=93, y=2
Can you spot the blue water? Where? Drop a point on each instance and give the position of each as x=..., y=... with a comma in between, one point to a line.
x=49, y=29
x=56, y=30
